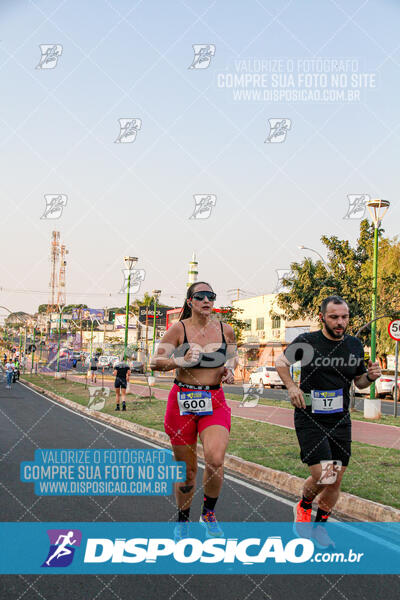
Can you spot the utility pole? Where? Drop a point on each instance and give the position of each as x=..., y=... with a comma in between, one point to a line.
x=104, y=322
x=80, y=316
x=156, y=294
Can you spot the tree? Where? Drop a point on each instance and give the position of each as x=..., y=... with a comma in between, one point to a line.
x=70, y=307
x=147, y=300
x=134, y=306
x=348, y=273
x=230, y=315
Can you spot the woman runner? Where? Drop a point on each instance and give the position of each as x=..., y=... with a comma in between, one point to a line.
x=198, y=347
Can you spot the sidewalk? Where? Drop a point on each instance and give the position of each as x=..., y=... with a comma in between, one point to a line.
x=385, y=436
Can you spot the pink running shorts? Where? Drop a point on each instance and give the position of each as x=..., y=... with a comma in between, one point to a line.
x=183, y=429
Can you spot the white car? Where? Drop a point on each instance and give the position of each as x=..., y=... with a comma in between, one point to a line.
x=384, y=386
x=266, y=376
x=398, y=389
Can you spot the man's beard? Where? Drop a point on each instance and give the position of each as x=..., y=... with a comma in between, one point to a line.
x=333, y=333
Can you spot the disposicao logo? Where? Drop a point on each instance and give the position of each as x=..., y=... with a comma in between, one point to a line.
x=190, y=550
x=62, y=547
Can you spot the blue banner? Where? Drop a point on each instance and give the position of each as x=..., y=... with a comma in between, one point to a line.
x=150, y=548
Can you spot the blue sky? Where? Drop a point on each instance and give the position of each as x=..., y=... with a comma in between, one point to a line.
x=130, y=60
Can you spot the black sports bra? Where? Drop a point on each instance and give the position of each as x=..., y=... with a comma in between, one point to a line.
x=207, y=360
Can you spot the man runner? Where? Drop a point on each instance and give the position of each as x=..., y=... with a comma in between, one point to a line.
x=330, y=360
x=122, y=373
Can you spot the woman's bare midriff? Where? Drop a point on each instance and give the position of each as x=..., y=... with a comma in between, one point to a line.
x=200, y=376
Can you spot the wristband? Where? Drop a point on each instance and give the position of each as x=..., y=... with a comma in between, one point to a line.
x=369, y=379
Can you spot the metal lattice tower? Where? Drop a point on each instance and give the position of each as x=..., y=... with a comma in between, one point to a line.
x=61, y=296
x=54, y=257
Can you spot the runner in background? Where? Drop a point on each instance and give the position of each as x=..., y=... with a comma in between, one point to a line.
x=122, y=373
x=93, y=368
x=16, y=372
x=330, y=360
x=9, y=368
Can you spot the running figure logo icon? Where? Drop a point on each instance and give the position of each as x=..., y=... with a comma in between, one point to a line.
x=128, y=130
x=203, y=205
x=203, y=54
x=97, y=397
x=54, y=206
x=63, y=543
x=278, y=129
x=330, y=471
x=357, y=206
x=251, y=394
x=137, y=276
x=50, y=55
x=281, y=274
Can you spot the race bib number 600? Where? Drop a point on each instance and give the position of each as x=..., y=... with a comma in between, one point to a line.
x=195, y=403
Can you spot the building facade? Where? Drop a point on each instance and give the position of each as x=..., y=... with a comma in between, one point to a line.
x=267, y=333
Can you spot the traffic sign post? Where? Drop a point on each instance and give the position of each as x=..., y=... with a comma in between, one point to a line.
x=394, y=332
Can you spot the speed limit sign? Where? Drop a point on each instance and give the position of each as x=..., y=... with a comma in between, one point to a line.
x=394, y=330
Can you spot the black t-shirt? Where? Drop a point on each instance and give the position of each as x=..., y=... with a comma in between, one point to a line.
x=327, y=365
x=122, y=369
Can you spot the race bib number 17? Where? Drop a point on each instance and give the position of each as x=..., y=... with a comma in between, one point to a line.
x=327, y=401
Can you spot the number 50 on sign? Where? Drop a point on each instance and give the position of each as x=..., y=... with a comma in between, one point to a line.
x=394, y=330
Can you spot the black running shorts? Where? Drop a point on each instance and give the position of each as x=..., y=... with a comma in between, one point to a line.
x=120, y=383
x=323, y=441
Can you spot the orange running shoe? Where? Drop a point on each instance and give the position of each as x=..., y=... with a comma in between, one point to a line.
x=301, y=515
x=302, y=526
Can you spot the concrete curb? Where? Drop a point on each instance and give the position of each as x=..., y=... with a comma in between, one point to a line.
x=348, y=504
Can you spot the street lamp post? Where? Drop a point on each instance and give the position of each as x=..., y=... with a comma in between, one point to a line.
x=40, y=345
x=156, y=295
x=377, y=209
x=129, y=261
x=91, y=335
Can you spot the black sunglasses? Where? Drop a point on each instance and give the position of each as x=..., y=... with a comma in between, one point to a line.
x=201, y=295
